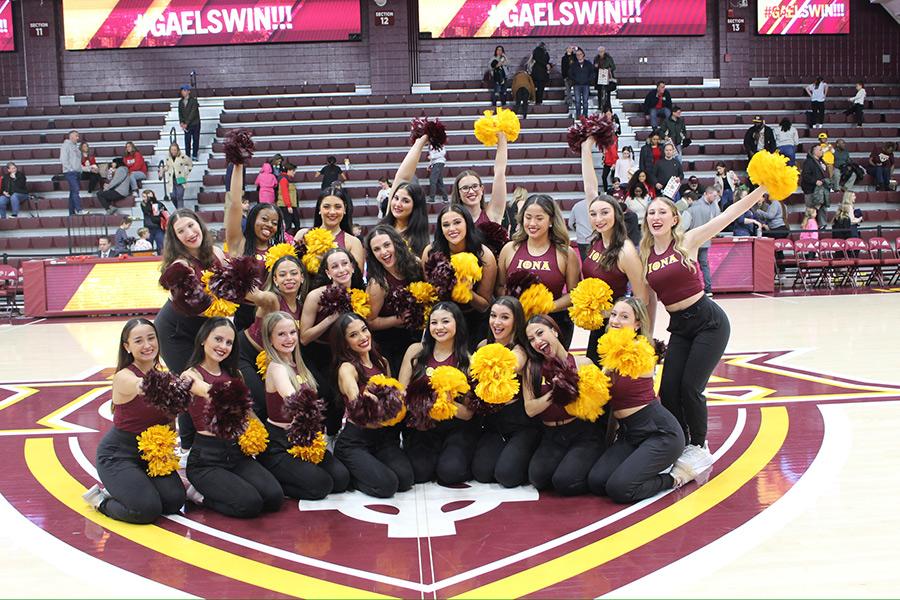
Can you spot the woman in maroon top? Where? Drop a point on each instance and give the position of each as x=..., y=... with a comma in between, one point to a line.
x=130, y=494
x=390, y=265
x=334, y=212
x=445, y=451
x=372, y=454
x=407, y=209
x=541, y=245
x=699, y=328
x=649, y=439
x=468, y=191
x=286, y=372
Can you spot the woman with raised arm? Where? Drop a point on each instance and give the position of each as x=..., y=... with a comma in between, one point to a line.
x=407, y=209
x=334, y=213
x=468, y=190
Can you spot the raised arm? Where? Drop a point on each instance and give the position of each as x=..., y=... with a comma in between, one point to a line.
x=407, y=169
x=497, y=204
x=310, y=331
x=234, y=235
x=707, y=231
x=588, y=172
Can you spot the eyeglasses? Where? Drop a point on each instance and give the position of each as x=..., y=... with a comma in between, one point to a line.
x=469, y=188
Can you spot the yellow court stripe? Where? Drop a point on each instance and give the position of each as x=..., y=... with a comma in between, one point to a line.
x=769, y=439
x=745, y=362
x=41, y=458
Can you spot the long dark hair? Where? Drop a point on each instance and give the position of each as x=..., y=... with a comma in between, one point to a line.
x=304, y=287
x=519, y=338
x=460, y=341
x=785, y=124
x=174, y=250
x=343, y=353
x=557, y=231
x=416, y=232
x=635, y=182
x=250, y=228
x=473, y=242
x=339, y=193
x=610, y=256
x=229, y=364
x=536, y=359
x=321, y=279
x=407, y=263
x=125, y=358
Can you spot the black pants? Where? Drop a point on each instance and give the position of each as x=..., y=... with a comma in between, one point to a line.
x=445, y=452
x=564, y=458
x=177, y=333
x=539, y=91
x=136, y=497
x=699, y=336
x=505, y=447
x=522, y=97
x=857, y=111
x=818, y=112
x=107, y=197
x=377, y=465
x=566, y=327
x=604, y=180
x=231, y=482
x=93, y=179
x=647, y=442
x=247, y=364
x=299, y=478
x=291, y=218
x=318, y=359
x=393, y=342
x=192, y=140
x=476, y=326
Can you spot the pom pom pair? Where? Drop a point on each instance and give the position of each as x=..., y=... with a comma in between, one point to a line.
x=219, y=307
x=536, y=299
x=381, y=410
x=228, y=407
x=157, y=446
x=336, y=299
x=277, y=252
x=627, y=353
x=593, y=394
x=489, y=127
x=188, y=294
x=313, y=246
x=431, y=398
x=255, y=438
x=440, y=274
x=435, y=130
x=495, y=236
x=239, y=146
x=233, y=279
x=493, y=367
x=772, y=171
x=166, y=392
x=590, y=299
x=412, y=303
x=468, y=272
x=599, y=127
x=313, y=452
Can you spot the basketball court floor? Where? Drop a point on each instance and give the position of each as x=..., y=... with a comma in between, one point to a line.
x=801, y=502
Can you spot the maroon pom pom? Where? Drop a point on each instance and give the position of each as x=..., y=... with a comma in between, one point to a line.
x=495, y=236
x=233, y=279
x=419, y=400
x=227, y=409
x=435, y=130
x=601, y=128
x=334, y=300
x=166, y=392
x=439, y=273
x=373, y=411
x=401, y=301
x=239, y=146
x=660, y=348
x=187, y=292
x=306, y=411
x=479, y=406
x=563, y=381
x=519, y=281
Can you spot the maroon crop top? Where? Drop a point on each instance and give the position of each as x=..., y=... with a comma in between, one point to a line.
x=615, y=278
x=275, y=406
x=254, y=332
x=554, y=412
x=628, y=392
x=545, y=266
x=197, y=408
x=671, y=280
x=136, y=416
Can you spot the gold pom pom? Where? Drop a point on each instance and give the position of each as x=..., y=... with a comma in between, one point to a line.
x=493, y=366
x=624, y=351
x=498, y=391
x=593, y=394
x=255, y=438
x=772, y=171
x=486, y=129
x=397, y=418
x=461, y=292
x=443, y=409
x=537, y=300
x=278, y=251
x=359, y=302
x=423, y=292
x=318, y=241
x=448, y=383
x=219, y=307
x=313, y=453
x=262, y=363
x=590, y=299
x=157, y=447
x=508, y=123
x=385, y=380
x=468, y=272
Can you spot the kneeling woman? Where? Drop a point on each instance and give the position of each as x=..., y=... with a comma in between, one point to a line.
x=371, y=452
x=230, y=482
x=285, y=373
x=131, y=495
x=446, y=450
x=569, y=447
x=649, y=439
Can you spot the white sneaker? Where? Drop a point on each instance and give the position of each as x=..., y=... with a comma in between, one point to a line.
x=696, y=458
x=682, y=474
x=95, y=496
x=194, y=496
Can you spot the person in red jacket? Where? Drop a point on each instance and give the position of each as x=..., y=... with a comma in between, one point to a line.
x=287, y=202
x=137, y=168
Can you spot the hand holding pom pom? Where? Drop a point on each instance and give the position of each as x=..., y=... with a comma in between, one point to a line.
x=434, y=130
x=227, y=409
x=590, y=299
x=166, y=392
x=598, y=127
x=255, y=438
x=157, y=446
x=233, y=279
x=593, y=394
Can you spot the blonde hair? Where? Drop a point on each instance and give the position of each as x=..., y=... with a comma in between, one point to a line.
x=849, y=198
x=844, y=210
x=519, y=194
x=809, y=214
x=641, y=315
x=677, y=236
x=299, y=367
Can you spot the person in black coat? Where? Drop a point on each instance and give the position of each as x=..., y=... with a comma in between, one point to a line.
x=189, y=118
x=814, y=182
x=759, y=131
x=540, y=71
x=13, y=190
x=658, y=103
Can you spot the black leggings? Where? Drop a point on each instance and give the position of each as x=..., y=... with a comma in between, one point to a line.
x=444, y=452
x=231, y=482
x=247, y=365
x=505, y=447
x=566, y=327
x=564, y=457
x=476, y=327
x=699, y=336
x=647, y=442
x=318, y=359
x=377, y=465
x=299, y=478
x=136, y=497
x=392, y=344
x=818, y=112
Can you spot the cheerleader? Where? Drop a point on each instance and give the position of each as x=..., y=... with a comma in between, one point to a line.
x=230, y=482
x=286, y=288
x=569, y=447
x=649, y=439
x=457, y=233
x=468, y=190
x=407, y=209
x=446, y=450
x=130, y=494
x=390, y=265
x=611, y=256
x=339, y=268
x=541, y=245
x=372, y=454
x=285, y=373
x=334, y=212
x=510, y=436
x=699, y=328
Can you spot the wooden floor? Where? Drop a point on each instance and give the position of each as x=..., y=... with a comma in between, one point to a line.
x=804, y=421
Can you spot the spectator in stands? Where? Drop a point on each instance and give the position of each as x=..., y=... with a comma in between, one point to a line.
x=641, y=179
x=266, y=182
x=666, y=170
x=582, y=74
x=540, y=70
x=104, y=248
x=827, y=152
x=287, y=198
x=683, y=205
x=658, y=103
x=637, y=200
x=142, y=243
x=844, y=175
x=122, y=240
x=857, y=103
x=276, y=162
x=759, y=137
x=651, y=152
x=500, y=57
x=625, y=166
x=674, y=130
x=519, y=196
x=726, y=182
x=815, y=183
x=498, y=81
x=746, y=225
x=580, y=223
x=118, y=187
x=786, y=140
x=384, y=191
x=522, y=91
x=331, y=173
x=701, y=212
x=245, y=210
x=610, y=158
x=809, y=225
x=90, y=172
x=155, y=214
x=13, y=190
x=137, y=168
x=70, y=158
x=565, y=66
x=189, y=117
x=632, y=224
x=609, y=114
x=817, y=91
x=881, y=166
x=617, y=190
x=604, y=71
x=437, y=158
x=692, y=185
x=845, y=224
x=771, y=215
x=175, y=171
